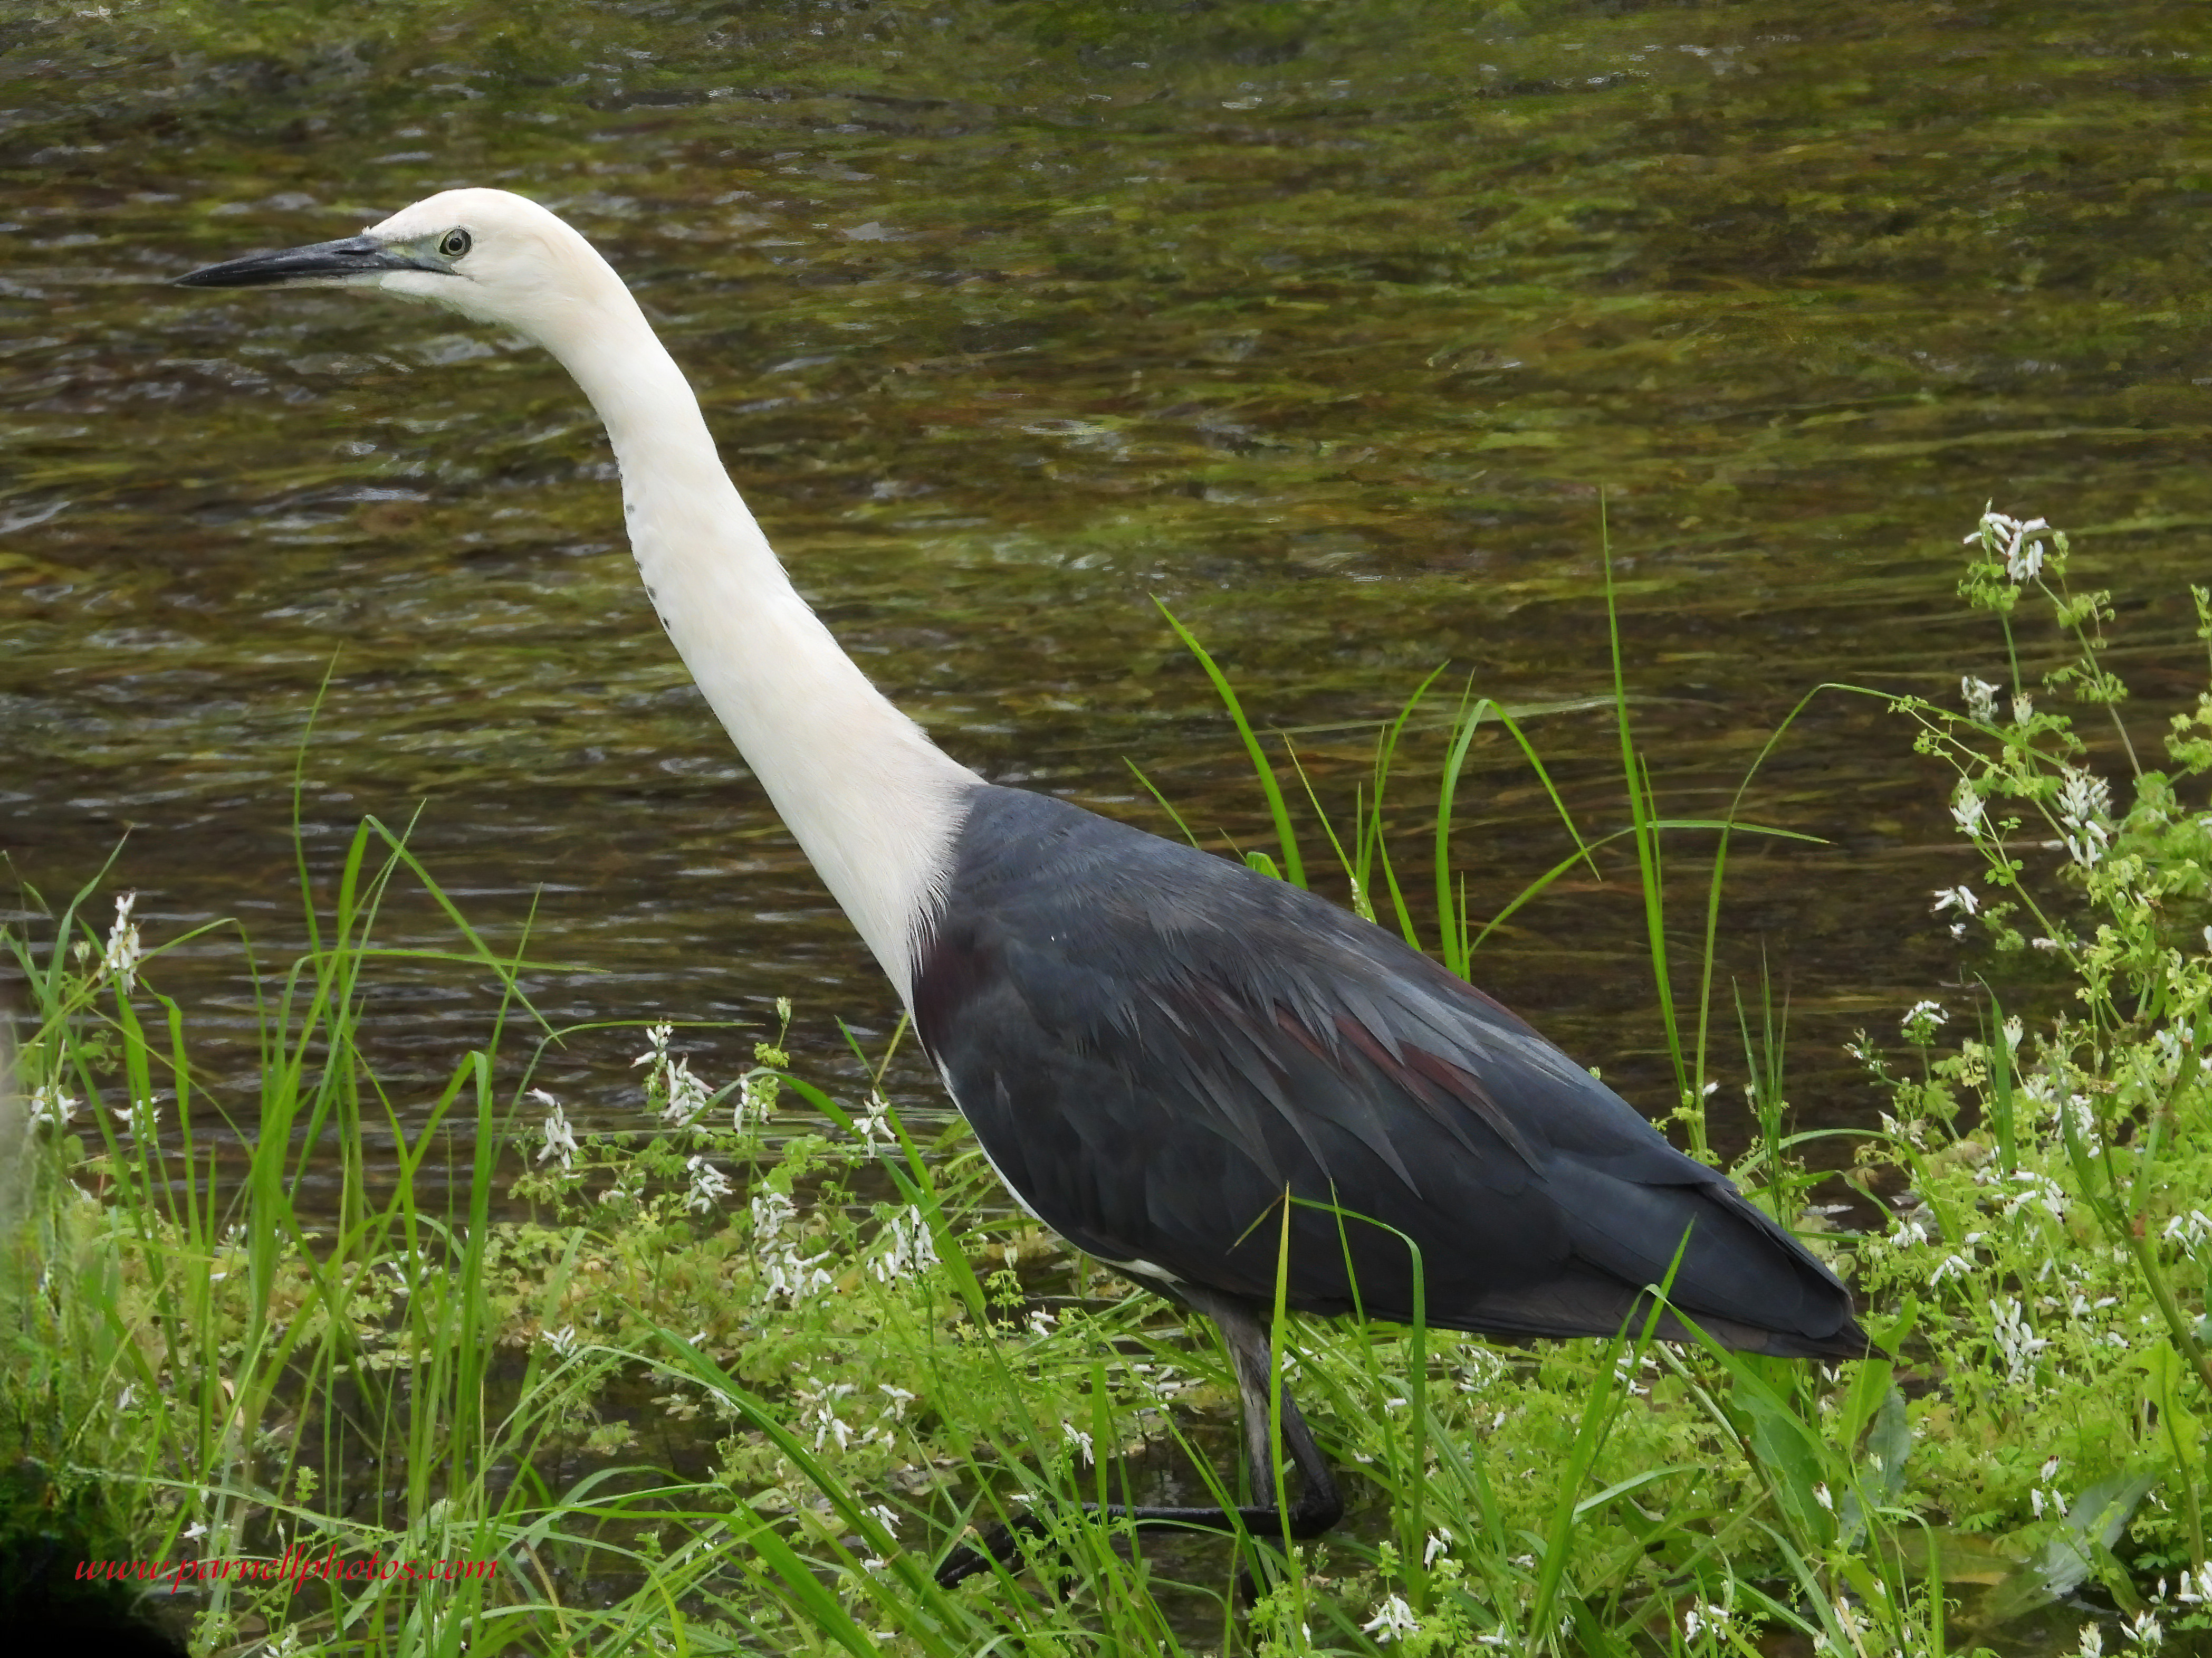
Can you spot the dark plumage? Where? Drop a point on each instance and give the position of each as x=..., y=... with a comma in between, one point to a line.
x=1153, y=1044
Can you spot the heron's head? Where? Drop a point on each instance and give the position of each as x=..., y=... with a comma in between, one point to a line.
x=487, y=254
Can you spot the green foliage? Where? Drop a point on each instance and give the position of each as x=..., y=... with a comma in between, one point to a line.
x=2053, y=1174
x=735, y=1373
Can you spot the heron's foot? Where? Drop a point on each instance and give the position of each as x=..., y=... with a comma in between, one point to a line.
x=999, y=1546
x=1317, y=1510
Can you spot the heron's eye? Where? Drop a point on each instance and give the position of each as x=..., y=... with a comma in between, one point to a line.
x=453, y=244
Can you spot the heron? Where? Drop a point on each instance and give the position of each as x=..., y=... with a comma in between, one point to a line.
x=1211, y=1081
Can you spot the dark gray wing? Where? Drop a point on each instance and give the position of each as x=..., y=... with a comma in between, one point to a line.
x=1154, y=1045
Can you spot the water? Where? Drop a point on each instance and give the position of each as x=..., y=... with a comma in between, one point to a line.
x=1328, y=327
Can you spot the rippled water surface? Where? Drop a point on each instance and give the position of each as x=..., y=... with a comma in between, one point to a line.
x=1327, y=326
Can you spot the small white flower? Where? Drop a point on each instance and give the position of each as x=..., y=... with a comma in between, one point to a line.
x=628, y=1187
x=709, y=1185
x=1847, y=1616
x=1951, y=1266
x=1392, y=1619
x=141, y=1119
x=2092, y=1644
x=2171, y=1045
x=687, y=1096
x=560, y=1139
x=1920, y=1021
x=2086, y=844
x=1981, y=699
x=50, y=1107
x=669, y=1082
x=2144, y=1630
x=2047, y=1496
x=2084, y=1116
x=875, y=1125
x=2023, y=708
x=1080, y=1440
x=791, y=1277
x=1960, y=899
x=125, y=951
x=1912, y=1131
x=657, y=1055
x=2190, y=1230
x=908, y=1248
x=2085, y=812
x=1825, y=1498
x=2008, y=537
x=885, y=1516
x=819, y=1411
x=561, y=1341
x=2015, y=1339
x=1706, y=1618
x=771, y=1209
x=1439, y=1542
x=1966, y=808
x=786, y=1274
x=2036, y=1189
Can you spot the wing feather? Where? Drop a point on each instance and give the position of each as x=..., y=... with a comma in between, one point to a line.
x=1214, y=1041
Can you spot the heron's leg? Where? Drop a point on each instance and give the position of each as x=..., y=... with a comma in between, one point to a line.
x=1318, y=1507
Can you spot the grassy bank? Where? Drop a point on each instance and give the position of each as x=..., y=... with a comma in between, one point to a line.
x=734, y=1377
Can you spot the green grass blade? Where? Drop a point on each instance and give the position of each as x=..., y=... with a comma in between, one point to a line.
x=1294, y=869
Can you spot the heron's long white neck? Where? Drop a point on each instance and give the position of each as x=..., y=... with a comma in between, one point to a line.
x=872, y=802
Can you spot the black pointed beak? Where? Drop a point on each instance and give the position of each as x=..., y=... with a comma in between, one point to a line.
x=320, y=262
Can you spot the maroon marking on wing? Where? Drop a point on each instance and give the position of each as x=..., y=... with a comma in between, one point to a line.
x=1427, y=1079
x=948, y=974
